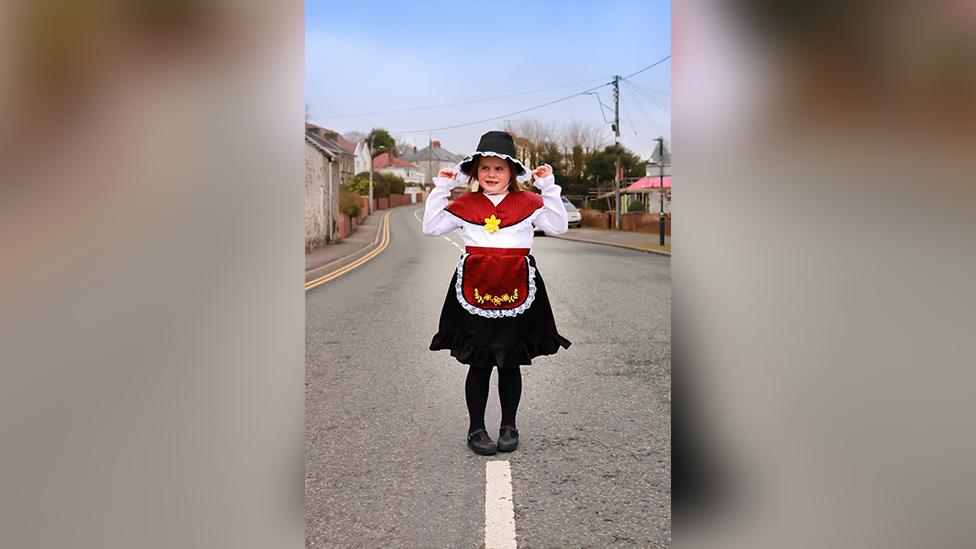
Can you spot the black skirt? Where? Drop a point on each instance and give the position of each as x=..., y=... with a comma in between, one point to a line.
x=505, y=342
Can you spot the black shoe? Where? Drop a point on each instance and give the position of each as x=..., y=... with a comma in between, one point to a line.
x=507, y=438
x=481, y=443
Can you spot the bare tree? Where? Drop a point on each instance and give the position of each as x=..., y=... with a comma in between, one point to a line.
x=536, y=132
x=355, y=136
x=588, y=136
x=402, y=147
x=533, y=134
x=580, y=141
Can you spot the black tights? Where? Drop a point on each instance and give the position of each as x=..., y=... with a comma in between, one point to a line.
x=476, y=394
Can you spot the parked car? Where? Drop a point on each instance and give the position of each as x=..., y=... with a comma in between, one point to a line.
x=574, y=217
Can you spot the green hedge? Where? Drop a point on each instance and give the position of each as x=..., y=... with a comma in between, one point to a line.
x=384, y=184
x=636, y=206
x=349, y=202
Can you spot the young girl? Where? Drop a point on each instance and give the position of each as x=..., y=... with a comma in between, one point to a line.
x=496, y=312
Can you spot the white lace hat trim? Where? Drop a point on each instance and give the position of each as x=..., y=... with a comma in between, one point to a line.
x=526, y=174
x=493, y=313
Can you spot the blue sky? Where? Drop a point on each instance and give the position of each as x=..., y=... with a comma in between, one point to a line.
x=366, y=56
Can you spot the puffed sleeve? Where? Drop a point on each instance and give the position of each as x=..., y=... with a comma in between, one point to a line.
x=552, y=217
x=437, y=220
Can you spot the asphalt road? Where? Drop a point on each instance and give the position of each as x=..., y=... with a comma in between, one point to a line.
x=386, y=463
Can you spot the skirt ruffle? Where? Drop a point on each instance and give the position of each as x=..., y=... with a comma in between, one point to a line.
x=505, y=342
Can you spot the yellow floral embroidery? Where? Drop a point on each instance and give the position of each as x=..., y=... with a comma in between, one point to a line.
x=491, y=223
x=496, y=299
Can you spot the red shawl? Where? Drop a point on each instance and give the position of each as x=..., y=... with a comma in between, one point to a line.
x=513, y=209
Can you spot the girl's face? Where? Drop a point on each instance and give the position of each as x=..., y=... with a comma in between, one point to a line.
x=494, y=174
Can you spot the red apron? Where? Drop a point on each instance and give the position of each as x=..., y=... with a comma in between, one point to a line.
x=495, y=282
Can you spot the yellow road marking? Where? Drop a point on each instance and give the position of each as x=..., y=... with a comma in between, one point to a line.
x=339, y=272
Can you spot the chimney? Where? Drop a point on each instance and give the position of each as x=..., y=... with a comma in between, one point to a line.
x=437, y=144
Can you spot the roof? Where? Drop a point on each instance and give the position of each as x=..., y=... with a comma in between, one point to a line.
x=345, y=143
x=386, y=160
x=436, y=154
x=325, y=142
x=319, y=147
x=333, y=135
x=649, y=183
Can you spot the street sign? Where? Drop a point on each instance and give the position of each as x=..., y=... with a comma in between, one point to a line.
x=656, y=155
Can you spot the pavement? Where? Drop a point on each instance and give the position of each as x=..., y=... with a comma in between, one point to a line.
x=366, y=238
x=335, y=256
x=645, y=242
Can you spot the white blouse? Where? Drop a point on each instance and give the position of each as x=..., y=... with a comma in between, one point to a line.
x=551, y=217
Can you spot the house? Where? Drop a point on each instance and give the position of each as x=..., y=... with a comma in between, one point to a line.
x=360, y=150
x=648, y=190
x=363, y=160
x=432, y=159
x=410, y=172
x=321, y=194
x=525, y=150
x=342, y=148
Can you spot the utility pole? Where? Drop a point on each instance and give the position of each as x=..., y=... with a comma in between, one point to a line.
x=430, y=146
x=660, y=217
x=330, y=239
x=616, y=132
x=370, y=141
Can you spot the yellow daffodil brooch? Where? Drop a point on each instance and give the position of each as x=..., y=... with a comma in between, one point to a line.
x=491, y=224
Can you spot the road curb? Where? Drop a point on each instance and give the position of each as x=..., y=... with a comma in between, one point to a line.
x=614, y=244
x=364, y=250
x=379, y=244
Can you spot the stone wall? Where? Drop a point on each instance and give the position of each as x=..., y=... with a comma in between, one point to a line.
x=637, y=222
x=347, y=225
x=315, y=175
x=384, y=202
x=316, y=195
x=644, y=223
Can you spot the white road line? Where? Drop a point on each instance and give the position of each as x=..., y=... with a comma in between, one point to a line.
x=499, y=512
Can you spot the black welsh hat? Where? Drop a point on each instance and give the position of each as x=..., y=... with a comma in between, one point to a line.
x=499, y=144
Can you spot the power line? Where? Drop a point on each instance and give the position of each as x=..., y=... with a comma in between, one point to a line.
x=654, y=101
x=508, y=114
x=654, y=64
x=649, y=89
x=647, y=116
x=660, y=103
x=445, y=105
x=633, y=128
x=649, y=94
x=663, y=105
x=657, y=102
x=602, y=106
x=584, y=92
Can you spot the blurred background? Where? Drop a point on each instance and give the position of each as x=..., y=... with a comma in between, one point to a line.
x=151, y=310
x=821, y=304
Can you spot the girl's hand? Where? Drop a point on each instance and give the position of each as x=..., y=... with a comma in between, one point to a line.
x=446, y=173
x=542, y=171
